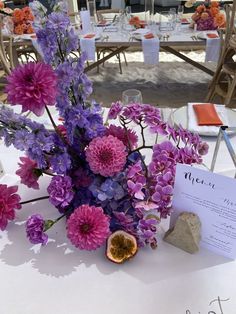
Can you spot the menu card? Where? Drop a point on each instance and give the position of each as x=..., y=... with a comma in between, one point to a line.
x=213, y=198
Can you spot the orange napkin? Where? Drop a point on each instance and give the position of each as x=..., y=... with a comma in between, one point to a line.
x=185, y=21
x=149, y=36
x=103, y=22
x=212, y=35
x=89, y=36
x=206, y=114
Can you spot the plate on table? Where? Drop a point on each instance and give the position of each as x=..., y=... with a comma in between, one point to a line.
x=208, y=34
x=180, y=116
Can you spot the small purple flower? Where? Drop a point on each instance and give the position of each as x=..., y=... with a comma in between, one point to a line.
x=115, y=109
x=133, y=112
x=60, y=191
x=35, y=230
x=136, y=189
x=134, y=169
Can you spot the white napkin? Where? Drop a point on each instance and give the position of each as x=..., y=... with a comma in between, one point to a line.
x=87, y=45
x=204, y=129
x=151, y=48
x=213, y=46
x=85, y=21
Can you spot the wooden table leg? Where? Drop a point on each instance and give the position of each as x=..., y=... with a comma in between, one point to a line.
x=190, y=61
x=107, y=57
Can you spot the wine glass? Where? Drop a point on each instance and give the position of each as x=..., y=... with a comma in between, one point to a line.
x=131, y=96
x=180, y=11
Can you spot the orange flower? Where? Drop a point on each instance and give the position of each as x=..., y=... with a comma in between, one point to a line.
x=214, y=11
x=214, y=4
x=19, y=29
x=27, y=13
x=201, y=8
x=17, y=16
x=29, y=29
x=219, y=20
x=135, y=21
x=195, y=16
x=205, y=16
x=1, y=5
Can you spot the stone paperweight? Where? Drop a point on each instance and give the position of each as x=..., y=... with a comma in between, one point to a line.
x=186, y=233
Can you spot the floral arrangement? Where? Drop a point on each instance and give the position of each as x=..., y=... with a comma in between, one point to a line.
x=208, y=16
x=101, y=183
x=136, y=22
x=22, y=20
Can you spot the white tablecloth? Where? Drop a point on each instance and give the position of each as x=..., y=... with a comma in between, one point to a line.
x=63, y=280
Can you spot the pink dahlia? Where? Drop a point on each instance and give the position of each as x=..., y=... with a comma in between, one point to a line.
x=129, y=138
x=29, y=173
x=9, y=201
x=33, y=86
x=106, y=155
x=88, y=227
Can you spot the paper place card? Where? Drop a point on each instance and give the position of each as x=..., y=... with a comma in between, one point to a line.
x=213, y=198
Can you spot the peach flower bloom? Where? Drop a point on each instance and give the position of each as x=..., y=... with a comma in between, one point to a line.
x=27, y=14
x=201, y=8
x=17, y=16
x=205, y=16
x=29, y=29
x=19, y=29
x=214, y=4
x=214, y=11
x=219, y=20
x=1, y=5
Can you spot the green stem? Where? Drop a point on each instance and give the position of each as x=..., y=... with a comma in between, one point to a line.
x=50, y=223
x=34, y=200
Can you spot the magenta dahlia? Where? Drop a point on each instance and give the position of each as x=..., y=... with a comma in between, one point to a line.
x=106, y=155
x=88, y=227
x=28, y=172
x=9, y=201
x=128, y=137
x=32, y=86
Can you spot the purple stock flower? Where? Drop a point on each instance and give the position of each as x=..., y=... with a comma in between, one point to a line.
x=35, y=230
x=60, y=191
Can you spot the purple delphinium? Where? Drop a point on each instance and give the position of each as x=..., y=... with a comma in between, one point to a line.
x=60, y=191
x=35, y=230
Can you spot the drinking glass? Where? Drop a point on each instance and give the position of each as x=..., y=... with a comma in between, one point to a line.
x=173, y=17
x=149, y=10
x=131, y=96
x=91, y=5
x=166, y=21
x=180, y=11
x=128, y=10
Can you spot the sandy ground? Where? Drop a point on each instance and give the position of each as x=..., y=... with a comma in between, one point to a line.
x=171, y=83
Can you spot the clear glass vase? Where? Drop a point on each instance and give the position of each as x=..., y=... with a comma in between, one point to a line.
x=149, y=10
